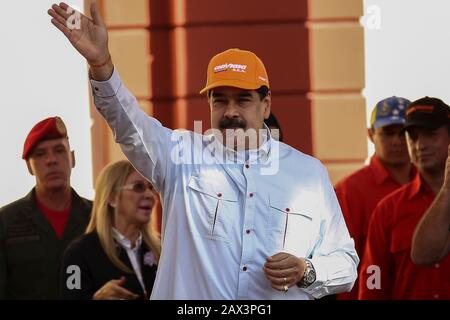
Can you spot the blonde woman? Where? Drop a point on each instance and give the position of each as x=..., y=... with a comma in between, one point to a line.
x=117, y=257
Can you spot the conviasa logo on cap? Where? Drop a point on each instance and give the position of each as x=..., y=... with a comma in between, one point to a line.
x=230, y=66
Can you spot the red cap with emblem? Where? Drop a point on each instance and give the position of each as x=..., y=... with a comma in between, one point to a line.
x=47, y=129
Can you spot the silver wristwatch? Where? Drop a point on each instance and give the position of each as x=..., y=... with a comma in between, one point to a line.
x=309, y=277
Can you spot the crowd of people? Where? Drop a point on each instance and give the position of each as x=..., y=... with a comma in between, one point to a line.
x=231, y=228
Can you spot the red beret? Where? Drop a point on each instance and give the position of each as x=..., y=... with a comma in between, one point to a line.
x=50, y=128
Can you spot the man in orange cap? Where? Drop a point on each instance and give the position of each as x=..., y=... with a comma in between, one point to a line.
x=35, y=230
x=244, y=215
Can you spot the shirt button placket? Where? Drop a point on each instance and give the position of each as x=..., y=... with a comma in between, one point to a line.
x=247, y=242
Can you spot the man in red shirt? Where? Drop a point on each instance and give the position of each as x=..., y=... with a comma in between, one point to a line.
x=387, y=271
x=35, y=230
x=431, y=242
x=389, y=168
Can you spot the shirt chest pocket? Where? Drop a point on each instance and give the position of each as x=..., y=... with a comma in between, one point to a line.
x=291, y=227
x=214, y=203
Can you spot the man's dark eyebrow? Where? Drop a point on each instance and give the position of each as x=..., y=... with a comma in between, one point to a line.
x=59, y=145
x=43, y=149
x=38, y=149
x=216, y=94
x=244, y=94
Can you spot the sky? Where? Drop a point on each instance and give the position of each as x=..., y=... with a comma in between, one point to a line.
x=40, y=76
x=408, y=56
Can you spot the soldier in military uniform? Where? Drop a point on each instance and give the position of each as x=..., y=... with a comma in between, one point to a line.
x=35, y=230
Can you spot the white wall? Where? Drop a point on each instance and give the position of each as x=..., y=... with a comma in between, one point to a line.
x=409, y=55
x=40, y=76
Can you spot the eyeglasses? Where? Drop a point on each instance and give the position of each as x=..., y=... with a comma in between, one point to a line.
x=138, y=187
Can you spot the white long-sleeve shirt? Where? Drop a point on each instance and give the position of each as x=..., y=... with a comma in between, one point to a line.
x=224, y=215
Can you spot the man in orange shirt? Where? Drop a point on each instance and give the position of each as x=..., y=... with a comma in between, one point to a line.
x=387, y=271
x=389, y=168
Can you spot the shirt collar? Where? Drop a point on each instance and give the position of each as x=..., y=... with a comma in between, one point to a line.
x=252, y=156
x=418, y=186
x=125, y=242
x=380, y=173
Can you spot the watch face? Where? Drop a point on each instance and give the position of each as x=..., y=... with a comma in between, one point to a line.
x=311, y=277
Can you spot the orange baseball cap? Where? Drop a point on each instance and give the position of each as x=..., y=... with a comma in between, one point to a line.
x=236, y=68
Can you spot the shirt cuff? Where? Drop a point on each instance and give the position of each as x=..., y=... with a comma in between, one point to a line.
x=108, y=88
x=321, y=279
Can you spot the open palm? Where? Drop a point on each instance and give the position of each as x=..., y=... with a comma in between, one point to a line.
x=88, y=36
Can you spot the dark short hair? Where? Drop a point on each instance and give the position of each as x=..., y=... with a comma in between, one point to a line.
x=262, y=91
x=272, y=121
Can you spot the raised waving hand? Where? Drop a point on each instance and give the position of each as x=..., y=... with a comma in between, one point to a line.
x=88, y=35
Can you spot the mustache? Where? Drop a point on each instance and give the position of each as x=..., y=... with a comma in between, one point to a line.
x=232, y=123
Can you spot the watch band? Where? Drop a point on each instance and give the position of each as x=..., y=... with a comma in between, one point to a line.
x=309, y=277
